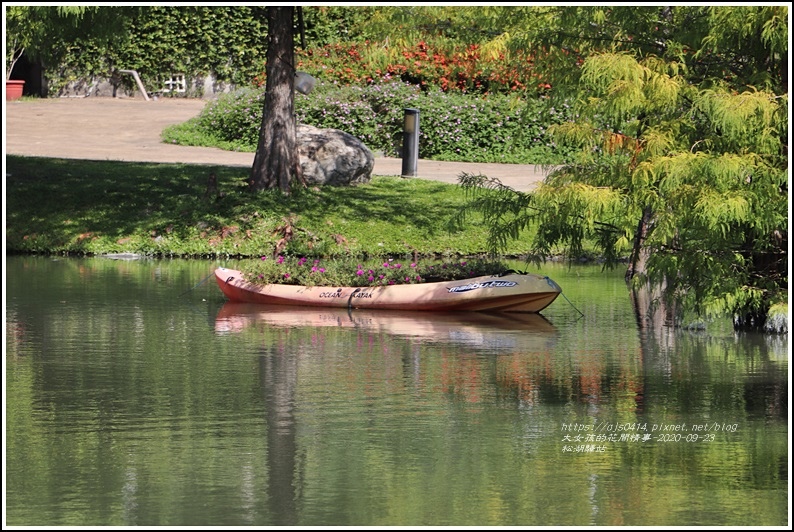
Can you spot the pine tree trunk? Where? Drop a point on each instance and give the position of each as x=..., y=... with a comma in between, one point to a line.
x=276, y=161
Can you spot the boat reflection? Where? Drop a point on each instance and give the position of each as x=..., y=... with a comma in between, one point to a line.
x=496, y=330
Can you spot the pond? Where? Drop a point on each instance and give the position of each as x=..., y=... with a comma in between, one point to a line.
x=136, y=396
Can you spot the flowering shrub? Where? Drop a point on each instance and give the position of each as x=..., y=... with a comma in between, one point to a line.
x=453, y=126
x=441, y=64
x=382, y=272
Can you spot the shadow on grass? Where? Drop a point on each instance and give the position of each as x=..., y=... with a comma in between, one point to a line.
x=61, y=200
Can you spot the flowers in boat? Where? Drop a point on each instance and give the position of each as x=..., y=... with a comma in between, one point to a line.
x=339, y=272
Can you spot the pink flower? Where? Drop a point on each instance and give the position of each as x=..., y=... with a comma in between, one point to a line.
x=264, y=257
x=280, y=259
x=286, y=276
x=360, y=272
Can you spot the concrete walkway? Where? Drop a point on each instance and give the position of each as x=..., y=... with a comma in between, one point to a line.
x=128, y=129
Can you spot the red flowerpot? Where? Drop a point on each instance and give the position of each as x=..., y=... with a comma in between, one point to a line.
x=14, y=88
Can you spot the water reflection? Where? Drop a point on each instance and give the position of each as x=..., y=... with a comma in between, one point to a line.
x=497, y=331
x=278, y=365
x=133, y=399
x=279, y=378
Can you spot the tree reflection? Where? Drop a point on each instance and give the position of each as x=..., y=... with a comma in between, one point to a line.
x=279, y=379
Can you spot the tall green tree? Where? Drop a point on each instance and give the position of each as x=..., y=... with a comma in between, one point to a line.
x=683, y=128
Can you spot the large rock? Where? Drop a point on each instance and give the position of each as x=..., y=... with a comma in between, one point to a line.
x=333, y=157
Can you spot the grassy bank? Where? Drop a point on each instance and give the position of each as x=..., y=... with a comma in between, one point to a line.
x=94, y=207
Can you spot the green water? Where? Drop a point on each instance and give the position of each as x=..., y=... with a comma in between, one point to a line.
x=136, y=397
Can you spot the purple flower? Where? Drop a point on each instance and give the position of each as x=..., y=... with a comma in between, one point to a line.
x=264, y=258
x=280, y=259
x=286, y=276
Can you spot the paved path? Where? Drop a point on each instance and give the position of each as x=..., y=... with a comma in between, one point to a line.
x=128, y=129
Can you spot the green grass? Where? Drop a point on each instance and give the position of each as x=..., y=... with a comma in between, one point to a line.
x=191, y=134
x=93, y=207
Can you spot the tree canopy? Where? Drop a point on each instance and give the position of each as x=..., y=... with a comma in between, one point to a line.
x=683, y=129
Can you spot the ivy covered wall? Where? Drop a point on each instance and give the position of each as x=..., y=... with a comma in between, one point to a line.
x=226, y=44
x=215, y=47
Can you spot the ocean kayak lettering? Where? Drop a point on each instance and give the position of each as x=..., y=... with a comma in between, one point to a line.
x=324, y=295
x=339, y=293
x=487, y=284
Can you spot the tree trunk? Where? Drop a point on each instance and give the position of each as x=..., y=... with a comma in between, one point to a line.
x=639, y=255
x=276, y=162
x=655, y=315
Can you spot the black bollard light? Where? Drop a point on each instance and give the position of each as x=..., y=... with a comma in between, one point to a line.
x=410, y=142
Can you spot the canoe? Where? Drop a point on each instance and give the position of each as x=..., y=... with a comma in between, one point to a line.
x=502, y=293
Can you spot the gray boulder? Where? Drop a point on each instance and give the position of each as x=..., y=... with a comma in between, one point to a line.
x=333, y=157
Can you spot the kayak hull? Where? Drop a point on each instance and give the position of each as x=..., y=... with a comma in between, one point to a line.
x=506, y=293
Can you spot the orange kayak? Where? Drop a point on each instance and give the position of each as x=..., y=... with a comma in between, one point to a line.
x=506, y=293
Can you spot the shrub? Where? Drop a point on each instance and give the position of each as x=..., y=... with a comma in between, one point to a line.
x=235, y=117
x=453, y=126
x=439, y=63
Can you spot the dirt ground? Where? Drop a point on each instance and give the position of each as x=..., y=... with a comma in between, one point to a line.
x=128, y=129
